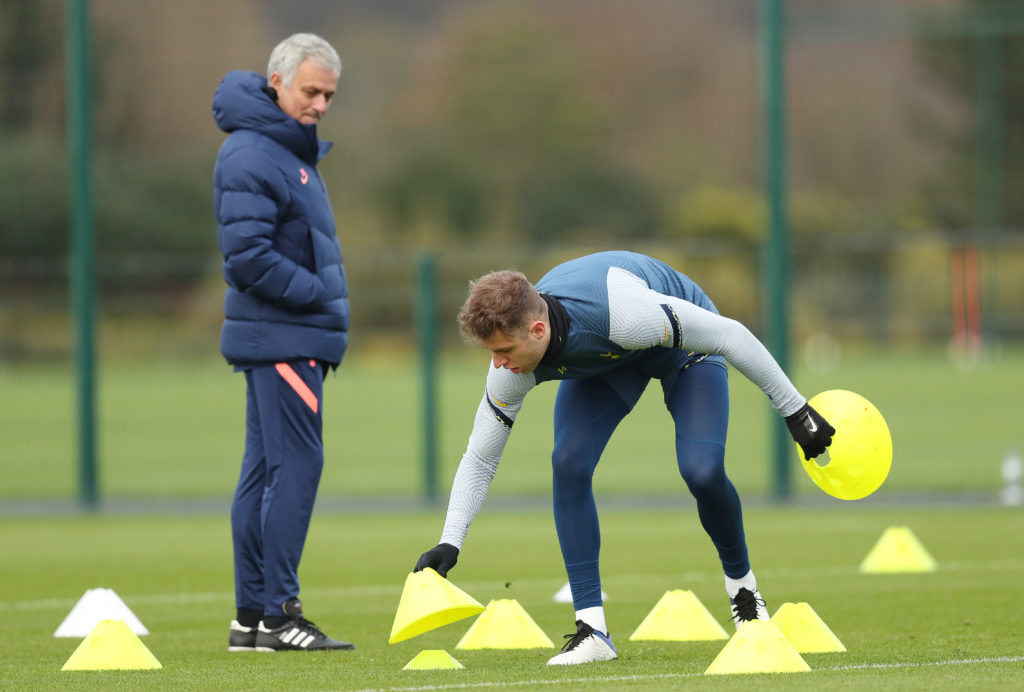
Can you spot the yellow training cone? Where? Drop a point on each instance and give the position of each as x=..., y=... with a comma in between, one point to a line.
x=433, y=659
x=428, y=602
x=898, y=550
x=111, y=646
x=679, y=616
x=757, y=647
x=505, y=625
x=807, y=632
x=860, y=455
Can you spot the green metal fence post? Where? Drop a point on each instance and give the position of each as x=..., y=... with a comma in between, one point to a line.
x=426, y=303
x=776, y=249
x=79, y=124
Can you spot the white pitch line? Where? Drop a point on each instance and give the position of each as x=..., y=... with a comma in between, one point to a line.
x=185, y=598
x=1001, y=566
x=925, y=664
x=680, y=676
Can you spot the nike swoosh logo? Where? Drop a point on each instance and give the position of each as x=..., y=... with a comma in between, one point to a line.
x=811, y=425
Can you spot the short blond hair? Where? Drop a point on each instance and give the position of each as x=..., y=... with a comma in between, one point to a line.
x=503, y=300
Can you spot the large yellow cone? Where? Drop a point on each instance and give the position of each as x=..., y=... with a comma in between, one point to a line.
x=433, y=659
x=860, y=455
x=807, y=632
x=111, y=646
x=428, y=602
x=898, y=550
x=757, y=647
x=505, y=625
x=679, y=616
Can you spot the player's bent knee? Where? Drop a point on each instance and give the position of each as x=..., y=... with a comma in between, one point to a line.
x=703, y=473
x=571, y=465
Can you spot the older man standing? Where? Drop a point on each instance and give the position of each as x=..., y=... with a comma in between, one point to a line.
x=286, y=324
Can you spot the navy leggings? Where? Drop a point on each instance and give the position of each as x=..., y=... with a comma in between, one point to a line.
x=281, y=469
x=587, y=412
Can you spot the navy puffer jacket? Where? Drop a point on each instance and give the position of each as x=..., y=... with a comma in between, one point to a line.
x=287, y=296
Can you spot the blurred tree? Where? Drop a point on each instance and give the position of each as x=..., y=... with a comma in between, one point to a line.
x=958, y=63
x=513, y=95
x=140, y=208
x=862, y=115
x=155, y=137
x=154, y=87
x=720, y=212
x=33, y=196
x=464, y=123
x=509, y=104
x=676, y=83
x=508, y=142
x=588, y=202
x=430, y=184
x=28, y=44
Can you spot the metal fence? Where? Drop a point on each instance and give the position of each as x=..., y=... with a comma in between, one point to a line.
x=878, y=290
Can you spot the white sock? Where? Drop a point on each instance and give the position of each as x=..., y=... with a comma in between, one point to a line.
x=747, y=581
x=594, y=617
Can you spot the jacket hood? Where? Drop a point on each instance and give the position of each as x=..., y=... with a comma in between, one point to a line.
x=242, y=102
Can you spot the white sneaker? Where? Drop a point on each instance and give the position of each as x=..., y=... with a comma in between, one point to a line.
x=748, y=605
x=587, y=645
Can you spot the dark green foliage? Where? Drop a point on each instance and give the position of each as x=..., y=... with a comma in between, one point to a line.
x=587, y=203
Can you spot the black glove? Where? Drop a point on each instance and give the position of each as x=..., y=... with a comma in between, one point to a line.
x=440, y=558
x=810, y=430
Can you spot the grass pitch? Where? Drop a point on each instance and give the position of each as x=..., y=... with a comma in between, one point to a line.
x=956, y=628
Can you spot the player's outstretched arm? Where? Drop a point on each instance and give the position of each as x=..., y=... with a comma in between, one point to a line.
x=642, y=318
x=495, y=417
x=703, y=331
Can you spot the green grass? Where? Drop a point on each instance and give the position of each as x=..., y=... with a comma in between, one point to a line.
x=173, y=429
x=956, y=628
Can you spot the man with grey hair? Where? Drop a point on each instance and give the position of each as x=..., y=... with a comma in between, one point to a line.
x=295, y=63
x=286, y=325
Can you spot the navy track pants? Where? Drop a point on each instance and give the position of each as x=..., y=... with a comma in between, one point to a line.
x=587, y=412
x=281, y=467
